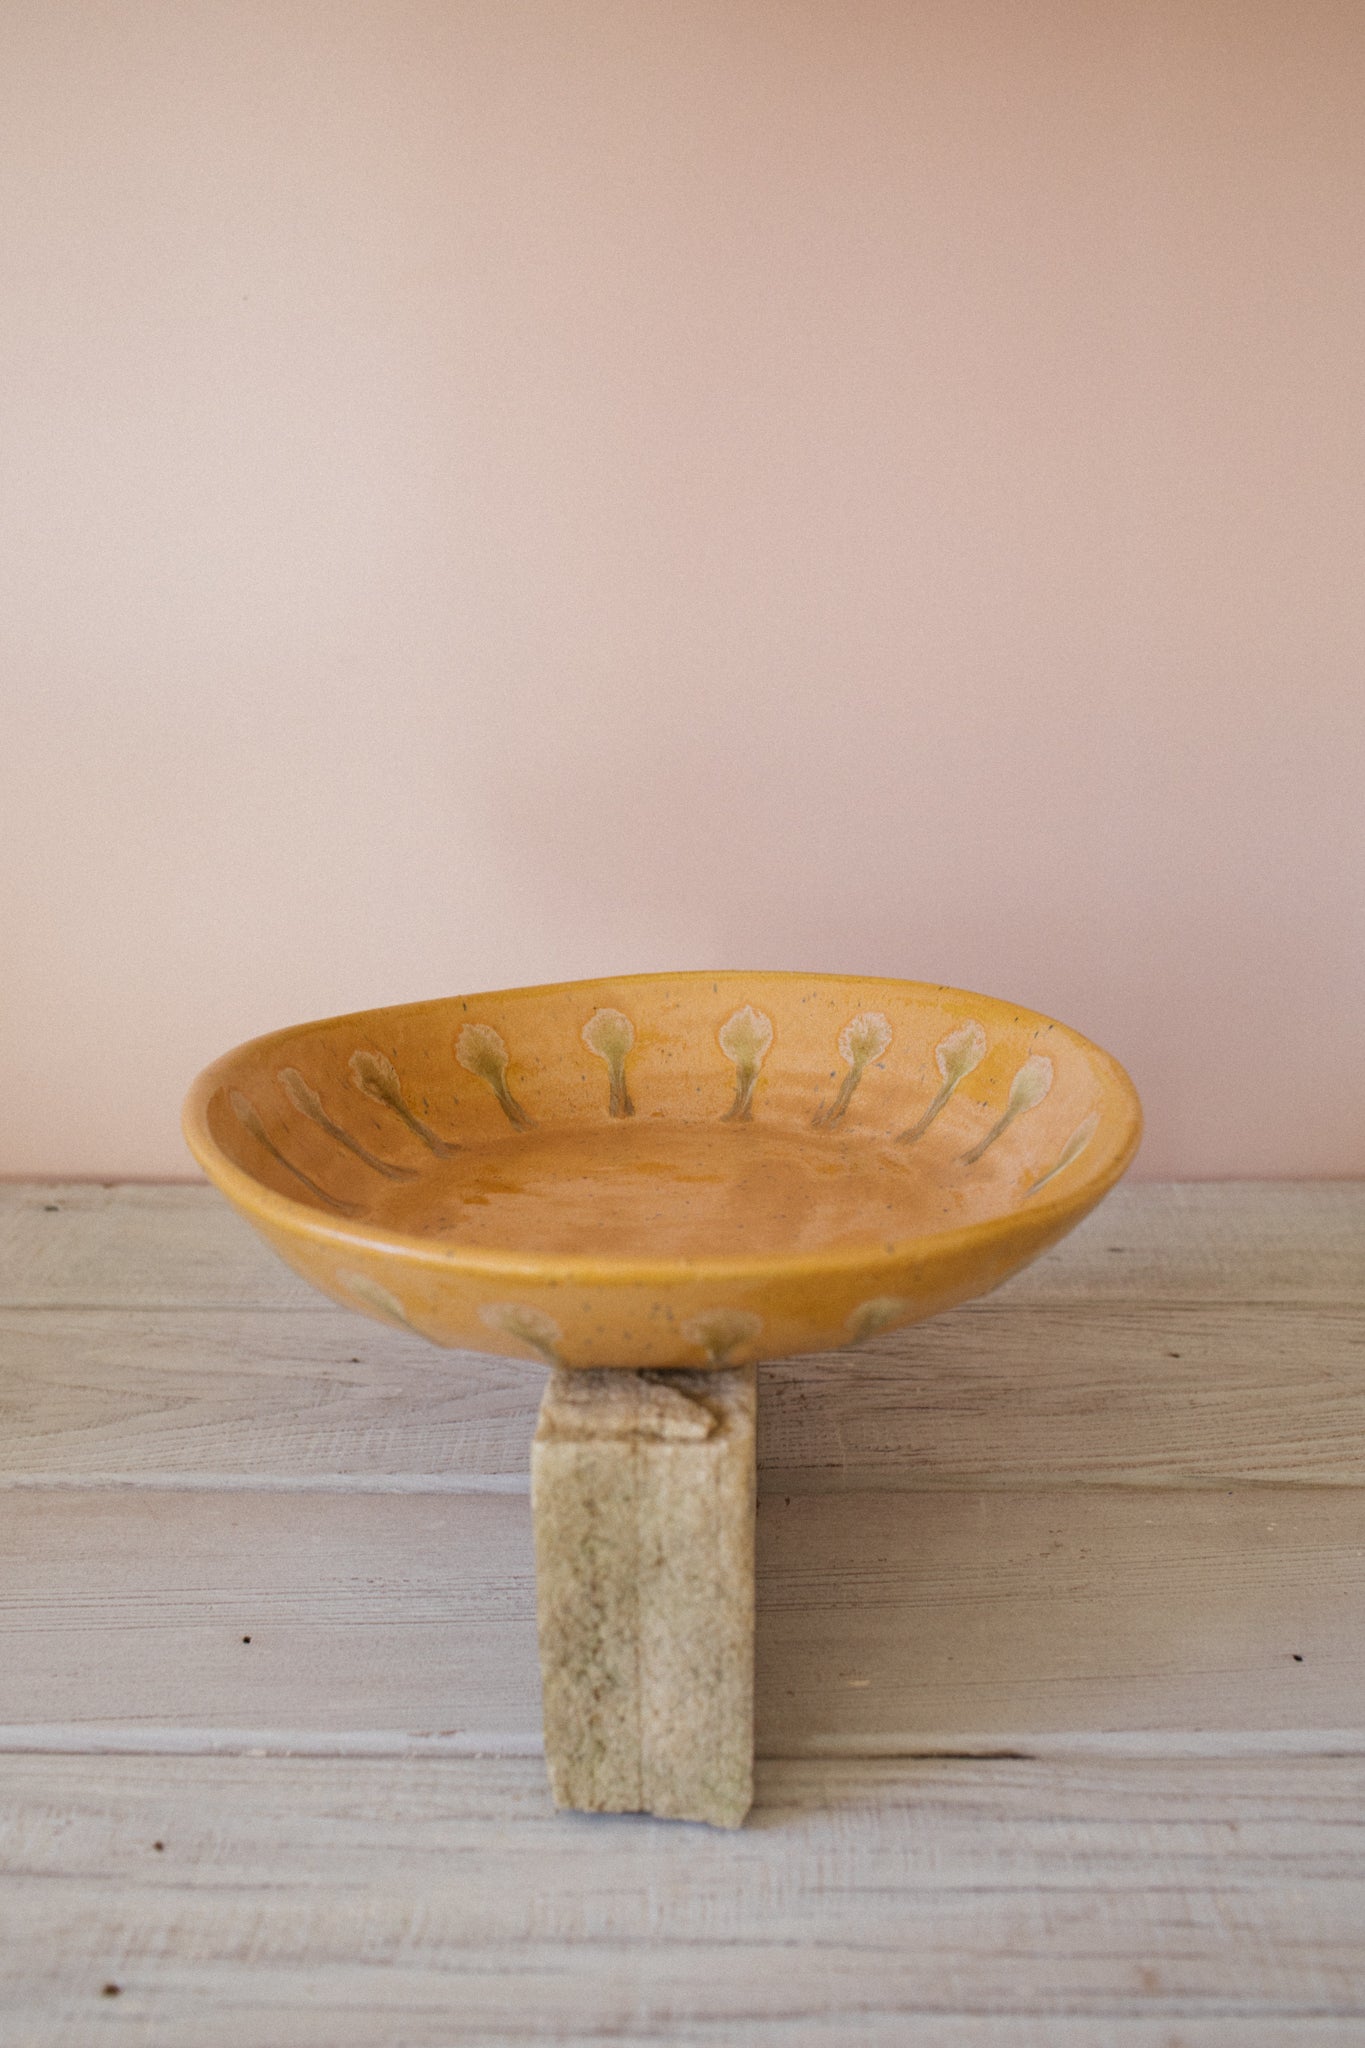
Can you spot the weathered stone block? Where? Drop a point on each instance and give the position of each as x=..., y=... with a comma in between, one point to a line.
x=642, y=1492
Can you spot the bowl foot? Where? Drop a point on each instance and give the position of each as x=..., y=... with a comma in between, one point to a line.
x=642, y=1496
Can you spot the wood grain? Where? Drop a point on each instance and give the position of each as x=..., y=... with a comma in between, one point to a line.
x=363, y=1904
x=999, y=1393
x=1060, y=1679
x=181, y=1246
x=130, y=1245
x=887, y=1622
x=251, y=1397
x=1012, y=1392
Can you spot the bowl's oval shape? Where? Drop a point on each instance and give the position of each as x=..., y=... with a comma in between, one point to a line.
x=670, y=1169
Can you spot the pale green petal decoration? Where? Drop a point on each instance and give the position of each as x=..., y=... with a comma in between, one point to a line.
x=373, y=1296
x=1071, y=1151
x=745, y=1039
x=376, y=1078
x=883, y=1312
x=1030, y=1084
x=611, y=1035
x=530, y=1326
x=309, y=1103
x=481, y=1051
x=719, y=1331
x=956, y=1056
x=249, y=1118
x=863, y=1039
x=1027, y=1090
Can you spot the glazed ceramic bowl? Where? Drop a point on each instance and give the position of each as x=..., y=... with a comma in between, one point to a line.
x=666, y=1169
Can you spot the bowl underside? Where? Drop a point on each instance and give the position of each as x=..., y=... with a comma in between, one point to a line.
x=666, y=1170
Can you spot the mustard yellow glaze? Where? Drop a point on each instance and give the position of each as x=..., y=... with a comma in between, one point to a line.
x=666, y=1169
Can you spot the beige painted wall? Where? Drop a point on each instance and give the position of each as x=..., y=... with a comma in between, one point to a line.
x=513, y=490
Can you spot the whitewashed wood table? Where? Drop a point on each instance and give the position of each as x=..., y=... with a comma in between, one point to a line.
x=1061, y=1664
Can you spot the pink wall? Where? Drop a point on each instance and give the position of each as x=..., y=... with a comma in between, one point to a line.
x=512, y=490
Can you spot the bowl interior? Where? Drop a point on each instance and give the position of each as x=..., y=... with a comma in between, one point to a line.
x=689, y=1117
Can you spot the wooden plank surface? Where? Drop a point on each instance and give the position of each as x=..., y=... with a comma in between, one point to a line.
x=253, y=1397
x=998, y=1393
x=134, y=1245
x=245, y=1903
x=1061, y=1664
x=180, y=1246
x=886, y=1622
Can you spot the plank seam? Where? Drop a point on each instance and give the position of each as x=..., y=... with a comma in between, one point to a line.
x=1135, y=1746
x=796, y=1479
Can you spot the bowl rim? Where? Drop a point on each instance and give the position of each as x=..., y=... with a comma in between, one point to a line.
x=283, y=1213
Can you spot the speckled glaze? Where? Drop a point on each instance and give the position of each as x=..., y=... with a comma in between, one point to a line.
x=666, y=1170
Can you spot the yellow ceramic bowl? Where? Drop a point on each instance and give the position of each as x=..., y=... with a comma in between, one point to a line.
x=666, y=1169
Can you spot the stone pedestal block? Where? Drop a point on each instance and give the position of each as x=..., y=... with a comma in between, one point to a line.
x=642, y=1492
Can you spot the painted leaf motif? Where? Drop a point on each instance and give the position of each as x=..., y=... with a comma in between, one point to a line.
x=745, y=1037
x=248, y=1116
x=1071, y=1151
x=719, y=1331
x=309, y=1103
x=864, y=1038
x=377, y=1077
x=610, y=1035
x=482, y=1051
x=881, y=1313
x=528, y=1325
x=305, y=1099
x=1030, y=1084
x=1078, y=1140
x=960, y=1052
x=375, y=1296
